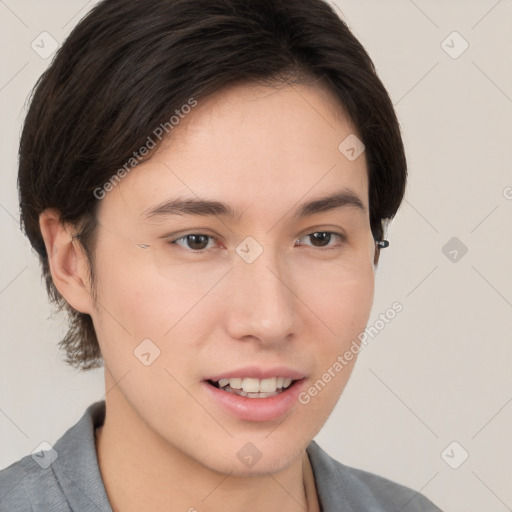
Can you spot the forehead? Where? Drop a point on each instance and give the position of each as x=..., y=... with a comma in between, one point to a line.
x=250, y=145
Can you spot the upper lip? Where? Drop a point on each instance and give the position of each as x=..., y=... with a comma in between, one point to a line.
x=256, y=372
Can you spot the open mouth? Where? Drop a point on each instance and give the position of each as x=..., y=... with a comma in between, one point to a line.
x=253, y=388
x=243, y=394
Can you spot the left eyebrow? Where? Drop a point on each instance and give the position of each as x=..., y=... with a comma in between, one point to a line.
x=342, y=199
x=196, y=206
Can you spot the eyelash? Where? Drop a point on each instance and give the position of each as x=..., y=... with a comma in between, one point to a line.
x=341, y=238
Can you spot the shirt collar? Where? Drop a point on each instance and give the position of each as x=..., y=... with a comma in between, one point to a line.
x=77, y=468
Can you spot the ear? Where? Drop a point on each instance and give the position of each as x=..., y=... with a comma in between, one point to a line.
x=68, y=263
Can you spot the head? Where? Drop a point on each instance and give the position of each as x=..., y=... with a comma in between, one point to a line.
x=232, y=121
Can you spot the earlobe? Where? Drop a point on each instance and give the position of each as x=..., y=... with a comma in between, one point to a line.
x=67, y=262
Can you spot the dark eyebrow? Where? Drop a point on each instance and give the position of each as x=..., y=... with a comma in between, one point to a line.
x=340, y=199
x=196, y=206
x=189, y=207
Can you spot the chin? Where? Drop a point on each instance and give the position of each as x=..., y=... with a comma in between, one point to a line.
x=259, y=458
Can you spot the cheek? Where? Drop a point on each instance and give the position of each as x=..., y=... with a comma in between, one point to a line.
x=343, y=305
x=136, y=298
x=344, y=310
x=353, y=305
x=176, y=315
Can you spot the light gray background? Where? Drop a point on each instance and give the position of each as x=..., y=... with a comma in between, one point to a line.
x=440, y=371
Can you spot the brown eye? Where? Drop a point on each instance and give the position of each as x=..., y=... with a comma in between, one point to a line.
x=323, y=239
x=195, y=242
x=320, y=239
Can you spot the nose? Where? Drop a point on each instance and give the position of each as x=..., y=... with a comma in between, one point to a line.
x=262, y=303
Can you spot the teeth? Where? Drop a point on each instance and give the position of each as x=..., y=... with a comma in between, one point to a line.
x=239, y=392
x=268, y=385
x=250, y=385
x=235, y=383
x=261, y=395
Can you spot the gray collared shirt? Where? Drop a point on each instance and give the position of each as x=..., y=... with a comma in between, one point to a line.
x=72, y=482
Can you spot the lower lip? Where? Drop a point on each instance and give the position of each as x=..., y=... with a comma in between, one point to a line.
x=257, y=409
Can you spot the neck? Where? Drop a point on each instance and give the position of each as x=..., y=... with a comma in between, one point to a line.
x=141, y=471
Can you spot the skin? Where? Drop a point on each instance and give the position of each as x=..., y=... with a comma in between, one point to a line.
x=166, y=445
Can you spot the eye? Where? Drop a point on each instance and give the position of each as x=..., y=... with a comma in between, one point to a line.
x=323, y=239
x=195, y=241
x=200, y=242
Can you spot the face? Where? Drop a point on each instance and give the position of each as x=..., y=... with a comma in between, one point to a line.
x=250, y=282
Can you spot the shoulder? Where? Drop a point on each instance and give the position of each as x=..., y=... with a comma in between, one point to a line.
x=341, y=487
x=26, y=486
x=62, y=478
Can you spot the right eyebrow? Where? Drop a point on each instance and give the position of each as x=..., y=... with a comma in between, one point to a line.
x=177, y=206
